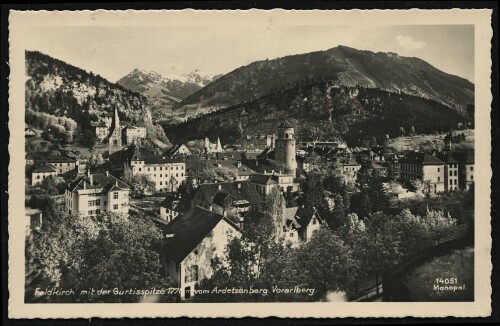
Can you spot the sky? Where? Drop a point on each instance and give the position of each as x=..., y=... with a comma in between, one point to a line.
x=114, y=51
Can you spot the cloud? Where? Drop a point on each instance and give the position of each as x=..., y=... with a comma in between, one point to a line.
x=409, y=43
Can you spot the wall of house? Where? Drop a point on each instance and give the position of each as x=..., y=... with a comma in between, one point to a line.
x=313, y=226
x=118, y=201
x=213, y=245
x=451, y=177
x=167, y=214
x=434, y=174
x=37, y=178
x=161, y=174
x=466, y=175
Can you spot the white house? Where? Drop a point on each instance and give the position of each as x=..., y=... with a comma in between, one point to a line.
x=42, y=172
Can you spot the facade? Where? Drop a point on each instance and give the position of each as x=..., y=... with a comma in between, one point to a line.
x=465, y=168
x=167, y=173
x=300, y=224
x=133, y=134
x=42, y=172
x=423, y=167
x=101, y=131
x=285, y=147
x=172, y=207
x=192, y=241
x=94, y=194
x=115, y=134
x=451, y=181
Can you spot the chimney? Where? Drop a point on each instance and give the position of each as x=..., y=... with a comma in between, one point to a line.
x=239, y=185
x=116, y=182
x=219, y=186
x=210, y=208
x=107, y=173
x=84, y=184
x=238, y=164
x=91, y=179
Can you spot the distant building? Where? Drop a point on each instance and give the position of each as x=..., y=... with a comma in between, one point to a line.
x=61, y=163
x=465, y=168
x=192, y=242
x=94, y=194
x=172, y=207
x=101, y=131
x=42, y=172
x=29, y=132
x=33, y=219
x=423, y=167
x=167, y=173
x=132, y=134
x=212, y=147
x=350, y=169
x=115, y=134
x=285, y=147
x=241, y=195
x=451, y=178
x=177, y=150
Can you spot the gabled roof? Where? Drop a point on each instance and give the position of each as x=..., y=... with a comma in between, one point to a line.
x=176, y=204
x=45, y=168
x=57, y=158
x=299, y=217
x=263, y=179
x=421, y=159
x=99, y=181
x=144, y=154
x=189, y=230
x=246, y=191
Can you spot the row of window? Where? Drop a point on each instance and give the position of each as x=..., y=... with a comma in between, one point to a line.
x=94, y=212
x=96, y=202
x=453, y=173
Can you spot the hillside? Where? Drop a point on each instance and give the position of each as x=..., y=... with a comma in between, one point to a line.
x=327, y=112
x=61, y=95
x=342, y=66
x=163, y=92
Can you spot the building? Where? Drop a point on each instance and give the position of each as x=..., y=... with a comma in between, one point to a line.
x=285, y=147
x=264, y=183
x=33, y=219
x=451, y=179
x=132, y=134
x=300, y=224
x=423, y=167
x=115, y=134
x=94, y=194
x=29, y=132
x=212, y=147
x=101, y=131
x=167, y=173
x=62, y=163
x=42, y=172
x=177, y=150
x=240, y=195
x=250, y=142
x=172, y=206
x=465, y=168
x=192, y=242
x=350, y=169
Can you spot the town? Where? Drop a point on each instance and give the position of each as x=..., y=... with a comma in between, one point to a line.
x=204, y=194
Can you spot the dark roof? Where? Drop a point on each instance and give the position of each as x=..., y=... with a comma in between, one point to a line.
x=144, y=154
x=188, y=231
x=447, y=158
x=304, y=215
x=57, y=158
x=45, y=168
x=420, y=158
x=99, y=181
x=246, y=191
x=262, y=179
x=466, y=157
x=176, y=204
x=285, y=124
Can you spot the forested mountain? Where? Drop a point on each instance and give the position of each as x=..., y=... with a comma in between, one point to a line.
x=328, y=112
x=341, y=66
x=162, y=92
x=60, y=94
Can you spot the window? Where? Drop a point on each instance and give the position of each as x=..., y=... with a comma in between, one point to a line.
x=115, y=206
x=455, y=173
x=140, y=169
x=314, y=221
x=451, y=173
x=291, y=234
x=115, y=195
x=439, y=178
x=98, y=211
x=160, y=183
x=472, y=177
x=439, y=170
x=472, y=168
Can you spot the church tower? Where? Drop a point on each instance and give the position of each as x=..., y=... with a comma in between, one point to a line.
x=285, y=147
x=115, y=134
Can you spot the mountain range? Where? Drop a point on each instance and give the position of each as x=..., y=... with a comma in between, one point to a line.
x=163, y=92
x=341, y=66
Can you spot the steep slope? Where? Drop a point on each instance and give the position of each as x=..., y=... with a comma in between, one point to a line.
x=343, y=66
x=326, y=111
x=56, y=90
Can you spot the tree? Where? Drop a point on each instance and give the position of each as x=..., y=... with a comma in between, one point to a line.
x=88, y=138
x=140, y=185
x=52, y=185
x=326, y=263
